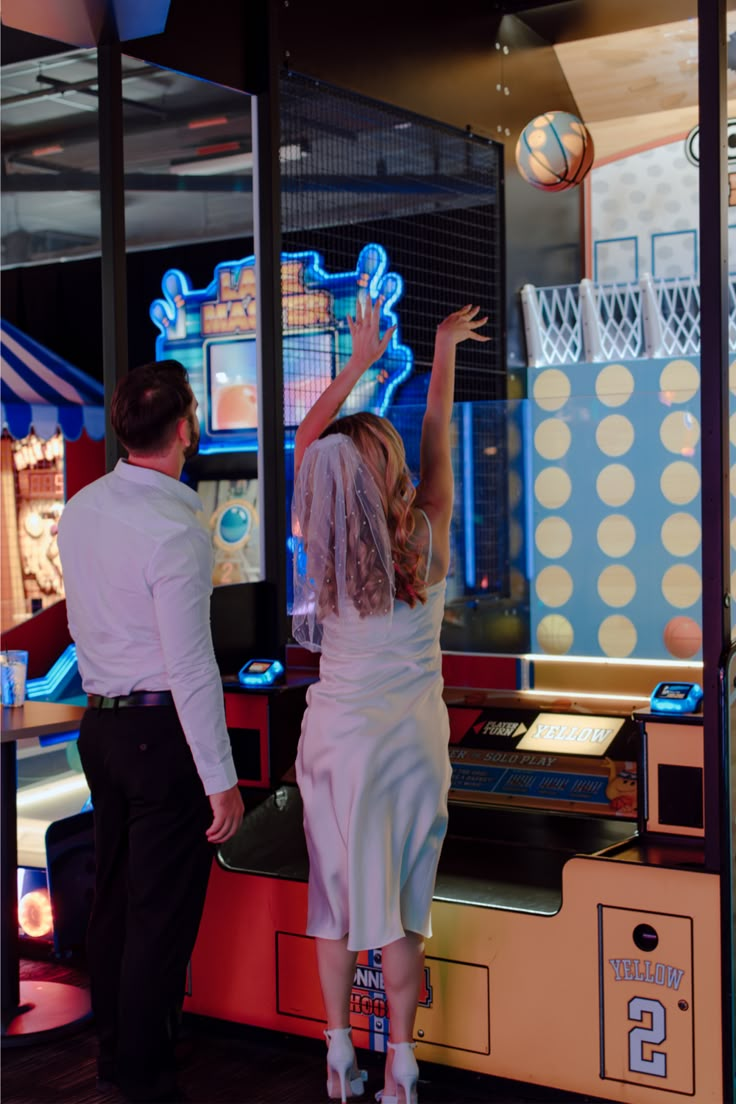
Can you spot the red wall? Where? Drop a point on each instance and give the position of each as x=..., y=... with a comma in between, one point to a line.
x=84, y=461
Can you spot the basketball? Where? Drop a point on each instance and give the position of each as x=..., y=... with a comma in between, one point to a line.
x=554, y=151
x=682, y=637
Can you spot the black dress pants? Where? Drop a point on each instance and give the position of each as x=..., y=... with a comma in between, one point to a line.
x=152, y=866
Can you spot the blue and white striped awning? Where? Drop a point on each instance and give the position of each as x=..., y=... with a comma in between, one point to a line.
x=42, y=392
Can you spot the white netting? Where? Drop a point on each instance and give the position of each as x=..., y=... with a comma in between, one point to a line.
x=572, y=323
x=552, y=322
x=679, y=311
x=619, y=315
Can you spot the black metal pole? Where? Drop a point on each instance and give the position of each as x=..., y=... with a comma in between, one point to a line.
x=9, y=960
x=714, y=405
x=112, y=218
x=714, y=355
x=267, y=244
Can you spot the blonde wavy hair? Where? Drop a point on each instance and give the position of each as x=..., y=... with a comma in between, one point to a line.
x=382, y=450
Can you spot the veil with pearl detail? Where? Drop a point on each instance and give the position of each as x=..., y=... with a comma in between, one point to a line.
x=343, y=564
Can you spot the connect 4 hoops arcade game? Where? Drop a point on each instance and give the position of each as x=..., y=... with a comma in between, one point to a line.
x=576, y=932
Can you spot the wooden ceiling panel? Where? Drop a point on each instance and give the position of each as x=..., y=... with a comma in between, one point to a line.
x=615, y=75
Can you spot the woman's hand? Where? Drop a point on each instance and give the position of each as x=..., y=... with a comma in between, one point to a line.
x=368, y=347
x=461, y=325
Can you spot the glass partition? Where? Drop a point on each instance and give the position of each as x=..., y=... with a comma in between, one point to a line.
x=576, y=527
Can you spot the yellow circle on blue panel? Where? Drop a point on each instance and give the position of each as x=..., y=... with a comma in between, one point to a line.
x=732, y=429
x=617, y=636
x=555, y=634
x=517, y=583
x=552, y=488
x=680, y=432
x=681, y=585
x=516, y=539
x=679, y=382
x=553, y=537
x=551, y=389
x=614, y=435
x=615, y=484
x=616, y=535
x=552, y=438
x=681, y=534
x=515, y=488
x=554, y=586
x=616, y=585
x=732, y=377
x=614, y=385
x=513, y=440
x=680, y=482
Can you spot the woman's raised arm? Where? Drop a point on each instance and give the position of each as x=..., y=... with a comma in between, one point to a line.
x=368, y=347
x=435, y=489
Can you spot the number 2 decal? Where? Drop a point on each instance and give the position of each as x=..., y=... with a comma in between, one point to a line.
x=656, y=1065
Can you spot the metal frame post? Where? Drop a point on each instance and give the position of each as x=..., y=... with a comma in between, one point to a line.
x=112, y=220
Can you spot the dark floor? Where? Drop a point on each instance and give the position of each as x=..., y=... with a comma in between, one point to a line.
x=227, y=1064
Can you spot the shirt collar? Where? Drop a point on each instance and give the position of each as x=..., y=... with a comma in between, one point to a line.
x=151, y=478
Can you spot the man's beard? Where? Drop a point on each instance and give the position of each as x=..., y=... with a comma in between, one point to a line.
x=194, y=433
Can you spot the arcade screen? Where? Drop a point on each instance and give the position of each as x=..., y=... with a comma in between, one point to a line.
x=232, y=381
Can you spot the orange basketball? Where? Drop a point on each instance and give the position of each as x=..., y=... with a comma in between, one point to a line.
x=554, y=151
x=682, y=637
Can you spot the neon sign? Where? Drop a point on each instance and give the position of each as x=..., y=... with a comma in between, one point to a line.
x=213, y=332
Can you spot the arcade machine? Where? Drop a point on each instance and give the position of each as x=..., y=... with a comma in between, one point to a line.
x=55, y=830
x=576, y=929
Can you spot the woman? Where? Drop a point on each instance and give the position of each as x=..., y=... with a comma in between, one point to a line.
x=373, y=766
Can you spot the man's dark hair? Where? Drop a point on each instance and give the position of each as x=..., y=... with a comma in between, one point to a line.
x=148, y=403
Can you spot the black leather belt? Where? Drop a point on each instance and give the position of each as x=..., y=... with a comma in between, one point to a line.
x=131, y=701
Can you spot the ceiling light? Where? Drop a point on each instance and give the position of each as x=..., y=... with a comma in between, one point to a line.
x=213, y=166
x=292, y=152
x=200, y=124
x=227, y=157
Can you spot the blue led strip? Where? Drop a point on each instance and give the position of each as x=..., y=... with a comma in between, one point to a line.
x=58, y=738
x=40, y=689
x=468, y=499
x=528, y=463
x=193, y=323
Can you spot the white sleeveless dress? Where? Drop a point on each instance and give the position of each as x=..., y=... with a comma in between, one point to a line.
x=373, y=770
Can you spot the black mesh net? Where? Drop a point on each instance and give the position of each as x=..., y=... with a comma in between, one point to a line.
x=377, y=200
x=355, y=172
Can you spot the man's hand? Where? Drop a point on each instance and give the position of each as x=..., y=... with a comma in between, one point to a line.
x=227, y=814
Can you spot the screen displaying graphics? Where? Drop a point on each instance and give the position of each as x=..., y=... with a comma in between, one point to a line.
x=232, y=386
x=212, y=332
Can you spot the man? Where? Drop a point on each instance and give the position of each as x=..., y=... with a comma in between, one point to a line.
x=153, y=743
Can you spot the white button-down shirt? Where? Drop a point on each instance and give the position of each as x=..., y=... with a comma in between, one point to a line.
x=138, y=578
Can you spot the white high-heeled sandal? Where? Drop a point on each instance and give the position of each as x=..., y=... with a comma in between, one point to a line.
x=405, y=1073
x=341, y=1061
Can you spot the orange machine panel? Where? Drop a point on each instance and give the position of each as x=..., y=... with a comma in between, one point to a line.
x=646, y=969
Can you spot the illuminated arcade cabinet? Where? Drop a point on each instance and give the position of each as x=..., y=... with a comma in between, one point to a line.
x=573, y=906
x=572, y=888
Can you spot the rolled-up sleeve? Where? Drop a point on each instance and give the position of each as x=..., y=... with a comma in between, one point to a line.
x=180, y=578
